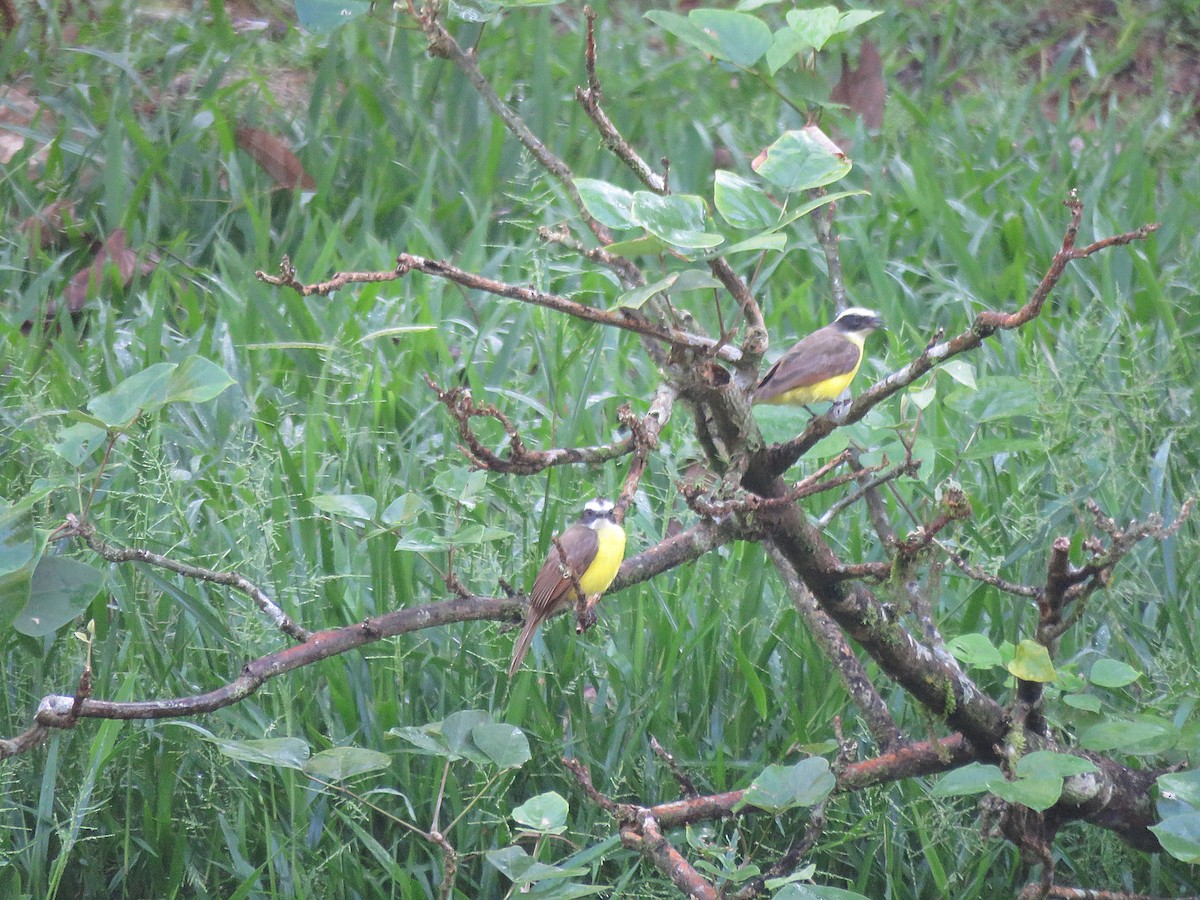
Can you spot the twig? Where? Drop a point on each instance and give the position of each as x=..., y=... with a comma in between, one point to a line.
x=76, y=528
x=833, y=644
x=590, y=98
x=685, y=783
x=867, y=488
x=442, y=44
x=631, y=276
x=625, y=319
x=975, y=572
x=520, y=459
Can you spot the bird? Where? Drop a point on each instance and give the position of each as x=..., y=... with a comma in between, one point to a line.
x=591, y=554
x=821, y=365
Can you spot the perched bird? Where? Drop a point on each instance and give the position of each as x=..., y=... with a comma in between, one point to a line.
x=592, y=550
x=822, y=365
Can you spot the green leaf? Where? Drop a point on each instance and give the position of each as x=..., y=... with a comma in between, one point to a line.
x=961, y=371
x=320, y=16
x=59, y=591
x=806, y=783
x=471, y=535
x=420, y=540
x=757, y=243
x=797, y=161
x=427, y=741
x=797, y=212
x=678, y=220
x=144, y=392
x=1031, y=662
x=354, y=506
x=458, y=727
x=973, y=778
x=741, y=39
x=1038, y=792
x=521, y=868
x=686, y=30
x=197, y=381
x=1112, y=673
x=743, y=203
x=608, y=204
x=546, y=813
x=342, y=763
x=1184, y=786
x=786, y=44
x=1180, y=836
x=1047, y=762
x=1082, y=701
x=975, y=650
x=288, y=752
x=814, y=26
x=21, y=547
x=1139, y=736
x=815, y=892
x=505, y=745
x=403, y=510
x=77, y=442
x=463, y=486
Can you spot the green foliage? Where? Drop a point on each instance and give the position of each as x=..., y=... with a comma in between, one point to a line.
x=292, y=439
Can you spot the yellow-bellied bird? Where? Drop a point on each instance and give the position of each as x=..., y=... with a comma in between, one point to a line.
x=592, y=550
x=822, y=365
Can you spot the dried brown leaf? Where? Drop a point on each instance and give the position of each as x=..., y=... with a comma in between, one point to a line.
x=114, y=251
x=47, y=225
x=862, y=89
x=275, y=157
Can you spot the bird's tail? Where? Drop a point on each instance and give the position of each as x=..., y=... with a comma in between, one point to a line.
x=521, y=647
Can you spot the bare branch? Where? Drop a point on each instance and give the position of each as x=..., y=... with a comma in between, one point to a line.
x=520, y=459
x=647, y=838
x=75, y=528
x=972, y=571
x=685, y=783
x=56, y=711
x=833, y=644
x=631, y=276
x=442, y=44
x=590, y=97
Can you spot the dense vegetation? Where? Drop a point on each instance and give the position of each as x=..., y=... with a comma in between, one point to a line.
x=294, y=440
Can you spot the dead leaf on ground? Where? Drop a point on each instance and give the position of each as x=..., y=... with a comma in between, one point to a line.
x=114, y=251
x=275, y=157
x=862, y=88
x=19, y=109
x=85, y=283
x=46, y=226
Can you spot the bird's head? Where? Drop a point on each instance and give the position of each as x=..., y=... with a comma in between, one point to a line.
x=857, y=320
x=597, y=510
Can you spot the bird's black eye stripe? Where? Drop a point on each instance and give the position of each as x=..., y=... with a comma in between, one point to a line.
x=855, y=323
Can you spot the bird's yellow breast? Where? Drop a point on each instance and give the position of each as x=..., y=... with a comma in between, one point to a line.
x=829, y=389
x=609, y=553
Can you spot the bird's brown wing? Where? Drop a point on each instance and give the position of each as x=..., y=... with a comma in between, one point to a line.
x=551, y=586
x=813, y=359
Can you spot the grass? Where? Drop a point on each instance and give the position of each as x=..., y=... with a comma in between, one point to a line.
x=963, y=214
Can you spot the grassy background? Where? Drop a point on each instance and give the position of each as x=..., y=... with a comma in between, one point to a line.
x=980, y=145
